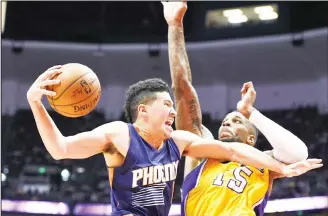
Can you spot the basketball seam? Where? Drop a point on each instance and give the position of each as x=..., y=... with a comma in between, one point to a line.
x=71, y=85
x=81, y=100
x=77, y=115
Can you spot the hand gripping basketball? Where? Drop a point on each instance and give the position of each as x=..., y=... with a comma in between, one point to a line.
x=38, y=88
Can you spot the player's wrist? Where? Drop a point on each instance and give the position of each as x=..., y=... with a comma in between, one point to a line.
x=248, y=111
x=34, y=103
x=176, y=23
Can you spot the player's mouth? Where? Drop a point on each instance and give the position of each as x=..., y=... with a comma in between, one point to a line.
x=169, y=124
x=225, y=133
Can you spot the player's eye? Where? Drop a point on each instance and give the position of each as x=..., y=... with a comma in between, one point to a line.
x=237, y=121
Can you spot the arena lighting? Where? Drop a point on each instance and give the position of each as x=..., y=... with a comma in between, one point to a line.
x=3, y=177
x=80, y=170
x=229, y=17
x=5, y=170
x=263, y=9
x=269, y=16
x=237, y=19
x=235, y=16
x=3, y=15
x=65, y=175
x=232, y=12
x=42, y=170
x=266, y=12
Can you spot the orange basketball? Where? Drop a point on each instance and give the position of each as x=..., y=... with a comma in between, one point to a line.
x=78, y=92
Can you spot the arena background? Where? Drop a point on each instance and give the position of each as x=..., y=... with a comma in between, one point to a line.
x=283, y=49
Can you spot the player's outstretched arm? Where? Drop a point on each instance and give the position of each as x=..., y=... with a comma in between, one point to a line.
x=195, y=146
x=189, y=115
x=79, y=146
x=287, y=147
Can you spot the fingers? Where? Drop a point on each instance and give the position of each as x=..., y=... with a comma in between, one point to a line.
x=316, y=166
x=49, y=82
x=314, y=160
x=55, y=67
x=243, y=88
x=47, y=92
x=246, y=86
x=49, y=73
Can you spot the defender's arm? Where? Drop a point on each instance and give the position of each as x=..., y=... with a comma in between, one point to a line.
x=242, y=153
x=189, y=116
x=287, y=147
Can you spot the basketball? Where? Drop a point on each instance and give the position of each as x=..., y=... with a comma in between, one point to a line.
x=78, y=92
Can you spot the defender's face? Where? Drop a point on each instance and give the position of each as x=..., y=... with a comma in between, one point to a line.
x=161, y=114
x=233, y=128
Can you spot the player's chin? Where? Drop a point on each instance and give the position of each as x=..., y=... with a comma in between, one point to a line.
x=167, y=131
x=227, y=139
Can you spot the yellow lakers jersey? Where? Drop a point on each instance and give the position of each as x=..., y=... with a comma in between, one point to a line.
x=230, y=189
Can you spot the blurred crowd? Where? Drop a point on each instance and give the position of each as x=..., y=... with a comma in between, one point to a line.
x=29, y=172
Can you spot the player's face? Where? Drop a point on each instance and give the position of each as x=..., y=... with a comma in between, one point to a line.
x=233, y=128
x=162, y=113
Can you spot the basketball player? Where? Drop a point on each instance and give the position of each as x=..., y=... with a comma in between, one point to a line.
x=142, y=156
x=215, y=187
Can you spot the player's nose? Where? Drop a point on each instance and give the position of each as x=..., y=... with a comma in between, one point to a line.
x=173, y=113
x=226, y=124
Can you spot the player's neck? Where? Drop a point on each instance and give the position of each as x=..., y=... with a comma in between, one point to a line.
x=149, y=136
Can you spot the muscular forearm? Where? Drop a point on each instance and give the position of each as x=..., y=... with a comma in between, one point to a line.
x=239, y=152
x=52, y=138
x=187, y=103
x=287, y=147
x=179, y=63
x=251, y=156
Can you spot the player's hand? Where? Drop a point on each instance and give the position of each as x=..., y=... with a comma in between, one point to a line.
x=174, y=11
x=301, y=167
x=248, y=96
x=38, y=88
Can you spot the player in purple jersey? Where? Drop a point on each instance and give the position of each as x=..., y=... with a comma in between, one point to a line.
x=237, y=126
x=142, y=156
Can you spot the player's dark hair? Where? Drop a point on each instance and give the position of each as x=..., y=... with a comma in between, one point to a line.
x=143, y=92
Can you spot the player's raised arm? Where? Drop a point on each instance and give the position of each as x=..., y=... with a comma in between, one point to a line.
x=78, y=146
x=287, y=147
x=189, y=115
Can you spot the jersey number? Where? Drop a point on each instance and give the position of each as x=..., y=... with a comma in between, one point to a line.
x=238, y=183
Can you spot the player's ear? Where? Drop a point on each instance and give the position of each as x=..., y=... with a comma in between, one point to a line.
x=251, y=139
x=142, y=109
